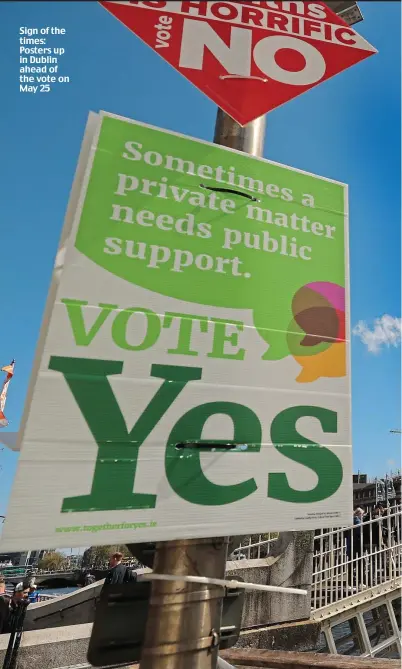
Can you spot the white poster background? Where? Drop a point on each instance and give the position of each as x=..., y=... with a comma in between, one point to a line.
x=59, y=453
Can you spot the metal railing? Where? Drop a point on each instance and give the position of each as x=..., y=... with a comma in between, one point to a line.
x=254, y=550
x=11, y=572
x=356, y=558
x=346, y=560
x=41, y=596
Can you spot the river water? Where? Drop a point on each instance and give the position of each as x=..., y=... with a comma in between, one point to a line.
x=57, y=591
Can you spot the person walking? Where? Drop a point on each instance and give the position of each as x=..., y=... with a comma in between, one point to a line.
x=33, y=594
x=15, y=623
x=2, y=586
x=4, y=605
x=89, y=579
x=118, y=572
x=377, y=531
x=21, y=594
x=354, y=537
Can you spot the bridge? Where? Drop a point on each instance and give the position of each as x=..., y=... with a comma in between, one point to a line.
x=353, y=576
x=49, y=579
x=356, y=585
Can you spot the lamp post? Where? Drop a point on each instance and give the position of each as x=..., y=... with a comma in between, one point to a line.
x=348, y=10
x=181, y=615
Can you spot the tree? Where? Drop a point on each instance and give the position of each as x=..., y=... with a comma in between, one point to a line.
x=98, y=556
x=53, y=561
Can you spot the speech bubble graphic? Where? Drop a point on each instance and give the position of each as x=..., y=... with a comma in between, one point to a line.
x=330, y=363
x=206, y=225
x=317, y=333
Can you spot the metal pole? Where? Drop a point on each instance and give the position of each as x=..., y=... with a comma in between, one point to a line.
x=184, y=618
x=249, y=139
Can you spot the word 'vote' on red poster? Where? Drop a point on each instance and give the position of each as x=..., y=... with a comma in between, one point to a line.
x=248, y=57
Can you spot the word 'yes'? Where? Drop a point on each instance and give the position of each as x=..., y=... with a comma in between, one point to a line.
x=119, y=449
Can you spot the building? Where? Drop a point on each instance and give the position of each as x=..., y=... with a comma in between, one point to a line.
x=363, y=492
x=23, y=559
x=397, y=486
x=368, y=493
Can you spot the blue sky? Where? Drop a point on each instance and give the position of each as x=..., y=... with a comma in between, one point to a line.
x=347, y=129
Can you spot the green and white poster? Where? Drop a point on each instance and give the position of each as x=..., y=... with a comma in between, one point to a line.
x=193, y=374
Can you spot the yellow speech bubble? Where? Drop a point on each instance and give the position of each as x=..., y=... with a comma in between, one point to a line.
x=330, y=363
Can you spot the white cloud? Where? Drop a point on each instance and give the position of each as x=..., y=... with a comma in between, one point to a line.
x=385, y=332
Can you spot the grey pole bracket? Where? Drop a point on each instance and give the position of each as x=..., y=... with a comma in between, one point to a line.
x=121, y=616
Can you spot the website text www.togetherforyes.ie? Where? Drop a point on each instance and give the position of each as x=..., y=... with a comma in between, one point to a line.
x=106, y=526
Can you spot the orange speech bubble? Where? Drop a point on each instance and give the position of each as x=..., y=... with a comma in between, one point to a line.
x=330, y=363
